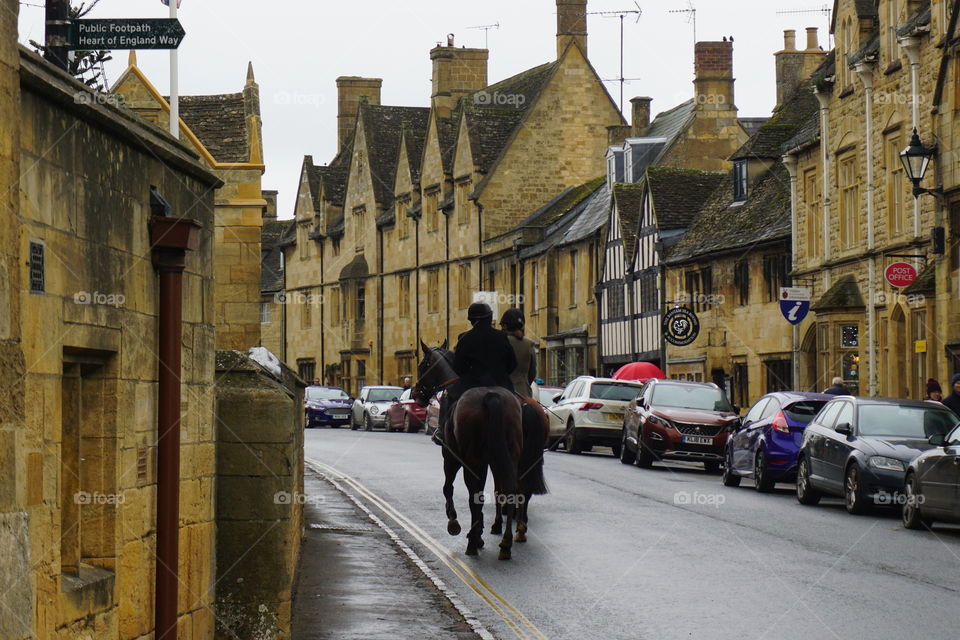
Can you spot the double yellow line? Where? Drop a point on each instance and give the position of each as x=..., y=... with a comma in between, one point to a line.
x=521, y=626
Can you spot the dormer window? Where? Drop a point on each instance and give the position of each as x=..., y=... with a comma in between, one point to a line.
x=740, y=181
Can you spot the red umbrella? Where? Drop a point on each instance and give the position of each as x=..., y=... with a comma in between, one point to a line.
x=639, y=371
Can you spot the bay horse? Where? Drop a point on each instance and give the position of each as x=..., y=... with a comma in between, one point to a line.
x=487, y=432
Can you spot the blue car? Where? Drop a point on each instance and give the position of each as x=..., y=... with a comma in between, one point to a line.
x=765, y=445
x=327, y=406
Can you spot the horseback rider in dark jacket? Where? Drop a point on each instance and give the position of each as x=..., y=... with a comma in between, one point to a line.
x=483, y=358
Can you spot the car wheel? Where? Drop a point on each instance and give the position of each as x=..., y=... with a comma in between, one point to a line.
x=856, y=501
x=570, y=440
x=645, y=456
x=626, y=456
x=407, y=426
x=367, y=424
x=730, y=478
x=806, y=494
x=762, y=481
x=912, y=519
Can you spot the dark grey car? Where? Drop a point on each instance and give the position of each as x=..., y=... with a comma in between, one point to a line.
x=933, y=484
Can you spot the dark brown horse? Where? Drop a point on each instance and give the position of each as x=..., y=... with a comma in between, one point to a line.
x=485, y=432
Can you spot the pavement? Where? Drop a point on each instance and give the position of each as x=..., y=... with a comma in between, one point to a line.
x=357, y=580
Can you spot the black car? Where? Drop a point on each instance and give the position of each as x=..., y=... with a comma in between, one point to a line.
x=860, y=449
x=933, y=484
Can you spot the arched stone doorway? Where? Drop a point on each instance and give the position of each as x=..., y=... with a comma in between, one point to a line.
x=808, y=360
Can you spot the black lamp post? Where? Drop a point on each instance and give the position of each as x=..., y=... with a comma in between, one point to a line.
x=916, y=158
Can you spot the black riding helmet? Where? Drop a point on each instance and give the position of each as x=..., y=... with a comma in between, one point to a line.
x=512, y=320
x=479, y=311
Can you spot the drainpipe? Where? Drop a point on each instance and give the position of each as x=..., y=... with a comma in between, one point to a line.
x=170, y=239
x=911, y=47
x=864, y=71
x=790, y=163
x=824, y=99
x=380, y=260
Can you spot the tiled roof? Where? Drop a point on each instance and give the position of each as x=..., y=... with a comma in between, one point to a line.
x=844, y=294
x=489, y=134
x=809, y=131
x=447, y=134
x=415, y=139
x=722, y=226
x=628, y=198
x=383, y=127
x=919, y=19
x=671, y=122
x=751, y=125
x=583, y=219
x=795, y=112
x=562, y=204
x=868, y=51
x=926, y=282
x=220, y=123
x=271, y=272
x=679, y=194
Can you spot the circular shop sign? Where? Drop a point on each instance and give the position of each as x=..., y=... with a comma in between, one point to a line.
x=681, y=326
x=900, y=274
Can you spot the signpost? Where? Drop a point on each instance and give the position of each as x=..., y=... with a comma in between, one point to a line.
x=136, y=33
x=794, y=303
x=900, y=274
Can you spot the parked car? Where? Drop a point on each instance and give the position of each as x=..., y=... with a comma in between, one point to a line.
x=545, y=396
x=860, y=448
x=592, y=411
x=433, y=414
x=326, y=406
x=405, y=414
x=370, y=407
x=675, y=419
x=933, y=484
x=765, y=445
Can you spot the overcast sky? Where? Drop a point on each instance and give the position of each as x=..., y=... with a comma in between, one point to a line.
x=299, y=47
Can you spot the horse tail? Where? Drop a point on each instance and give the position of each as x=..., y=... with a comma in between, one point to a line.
x=531, y=457
x=498, y=449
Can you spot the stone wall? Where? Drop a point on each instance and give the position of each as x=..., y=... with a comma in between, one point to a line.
x=259, y=497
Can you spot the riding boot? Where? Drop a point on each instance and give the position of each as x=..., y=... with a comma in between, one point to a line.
x=440, y=432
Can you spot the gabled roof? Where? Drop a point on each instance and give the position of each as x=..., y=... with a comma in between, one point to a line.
x=796, y=112
x=864, y=9
x=219, y=121
x=844, y=294
x=562, y=204
x=415, y=139
x=679, y=194
x=723, y=226
x=271, y=271
x=668, y=124
x=628, y=199
x=383, y=127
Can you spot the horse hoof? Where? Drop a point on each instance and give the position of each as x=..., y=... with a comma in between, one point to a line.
x=453, y=528
x=480, y=543
x=521, y=537
x=505, y=554
x=496, y=530
x=471, y=550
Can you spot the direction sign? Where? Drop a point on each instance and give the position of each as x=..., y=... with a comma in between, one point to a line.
x=137, y=33
x=900, y=274
x=794, y=303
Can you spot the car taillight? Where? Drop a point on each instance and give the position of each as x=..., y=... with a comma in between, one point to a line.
x=780, y=423
x=589, y=406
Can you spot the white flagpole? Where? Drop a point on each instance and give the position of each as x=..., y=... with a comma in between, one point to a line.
x=174, y=89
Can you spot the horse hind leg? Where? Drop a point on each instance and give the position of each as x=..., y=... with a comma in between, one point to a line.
x=497, y=527
x=506, y=543
x=450, y=467
x=522, y=524
x=475, y=535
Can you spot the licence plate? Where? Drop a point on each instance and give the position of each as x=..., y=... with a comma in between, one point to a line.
x=697, y=440
x=613, y=417
x=339, y=414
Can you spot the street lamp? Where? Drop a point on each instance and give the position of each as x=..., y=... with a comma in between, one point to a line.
x=916, y=158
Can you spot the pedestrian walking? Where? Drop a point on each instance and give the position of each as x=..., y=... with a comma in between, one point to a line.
x=837, y=388
x=934, y=392
x=953, y=400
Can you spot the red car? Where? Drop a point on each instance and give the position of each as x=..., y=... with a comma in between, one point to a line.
x=405, y=415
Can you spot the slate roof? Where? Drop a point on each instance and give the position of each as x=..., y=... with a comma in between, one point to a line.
x=809, y=131
x=751, y=125
x=628, y=199
x=844, y=294
x=723, y=226
x=868, y=51
x=679, y=194
x=795, y=113
x=920, y=19
x=562, y=204
x=864, y=9
x=595, y=214
x=220, y=123
x=669, y=123
x=383, y=127
x=578, y=222
x=271, y=260
x=926, y=282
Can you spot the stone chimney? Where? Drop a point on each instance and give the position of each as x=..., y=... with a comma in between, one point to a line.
x=456, y=73
x=794, y=66
x=641, y=116
x=270, y=211
x=351, y=91
x=571, y=25
x=713, y=85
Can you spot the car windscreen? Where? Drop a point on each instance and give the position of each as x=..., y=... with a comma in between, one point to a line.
x=904, y=421
x=319, y=393
x=702, y=398
x=613, y=391
x=383, y=395
x=805, y=411
x=546, y=395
